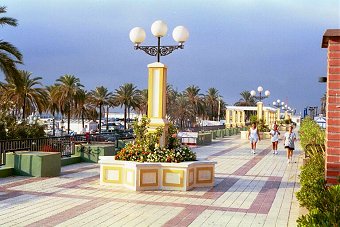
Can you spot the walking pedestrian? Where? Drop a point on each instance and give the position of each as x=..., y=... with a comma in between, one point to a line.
x=275, y=138
x=289, y=140
x=254, y=137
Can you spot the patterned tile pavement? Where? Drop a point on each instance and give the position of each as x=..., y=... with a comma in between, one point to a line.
x=250, y=190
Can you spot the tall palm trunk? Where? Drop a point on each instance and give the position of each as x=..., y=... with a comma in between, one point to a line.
x=53, y=132
x=24, y=108
x=125, y=113
x=100, y=118
x=68, y=121
x=107, y=118
x=82, y=118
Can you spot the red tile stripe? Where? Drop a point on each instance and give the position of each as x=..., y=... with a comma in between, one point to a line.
x=243, y=170
x=264, y=200
x=225, y=151
x=187, y=216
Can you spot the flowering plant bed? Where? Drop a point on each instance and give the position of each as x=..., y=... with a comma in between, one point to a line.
x=146, y=149
x=144, y=165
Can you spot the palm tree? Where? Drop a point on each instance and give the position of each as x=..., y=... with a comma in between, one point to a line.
x=69, y=88
x=22, y=91
x=195, y=100
x=52, y=107
x=127, y=95
x=171, y=96
x=183, y=110
x=101, y=97
x=9, y=54
x=143, y=102
x=246, y=99
x=84, y=108
x=211, y=99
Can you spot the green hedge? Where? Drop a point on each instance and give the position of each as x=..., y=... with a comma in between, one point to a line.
x=323, y=202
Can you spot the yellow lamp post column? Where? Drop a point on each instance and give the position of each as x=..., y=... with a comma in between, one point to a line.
x=278, y=115
x=157, y=99
x=259, y=110
x=227, y=119
x=233, y=118
x=286, y=115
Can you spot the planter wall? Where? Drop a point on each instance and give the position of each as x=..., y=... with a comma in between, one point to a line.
x=244, y=135
x=156, y=176
x=204, y=138
x=34, y=163
x=91, y=152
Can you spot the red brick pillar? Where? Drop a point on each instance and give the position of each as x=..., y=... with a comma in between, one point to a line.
x=331, y=40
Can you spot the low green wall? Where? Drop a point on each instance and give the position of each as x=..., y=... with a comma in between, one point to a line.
x=204, y=138
x=34, y=163
x=91, y=152
x=70, y=160
x=6, y=171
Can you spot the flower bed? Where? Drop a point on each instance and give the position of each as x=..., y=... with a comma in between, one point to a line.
x=156, y=176
x=145, y=165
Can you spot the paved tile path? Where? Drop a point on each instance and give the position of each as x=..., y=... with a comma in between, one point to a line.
x=250, y=190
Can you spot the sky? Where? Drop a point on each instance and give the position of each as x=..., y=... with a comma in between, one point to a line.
x=234, y=45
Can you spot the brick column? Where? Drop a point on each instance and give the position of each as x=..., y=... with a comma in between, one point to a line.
x=331, y=40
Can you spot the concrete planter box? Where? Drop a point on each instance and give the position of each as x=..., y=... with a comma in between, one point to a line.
x=265, y=135
x=91, y=152
x=244, y=135
x=156, y=176
x=204, y=138
x=34, y=163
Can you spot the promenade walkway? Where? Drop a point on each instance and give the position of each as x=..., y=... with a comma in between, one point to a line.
x=250, y=190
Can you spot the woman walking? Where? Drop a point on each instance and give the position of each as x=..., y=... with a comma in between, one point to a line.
x=275, y=138
x=253, y=135
x=289, y=140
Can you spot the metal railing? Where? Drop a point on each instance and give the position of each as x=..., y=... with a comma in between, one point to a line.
x=63, y=144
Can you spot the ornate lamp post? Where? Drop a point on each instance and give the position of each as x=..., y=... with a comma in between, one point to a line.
x=286, y=108
x=260, y=98
x=158, y=71
x=278, y=104
x=159, y=29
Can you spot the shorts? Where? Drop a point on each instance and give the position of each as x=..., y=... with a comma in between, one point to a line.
x=253, y=140
x=290, y=148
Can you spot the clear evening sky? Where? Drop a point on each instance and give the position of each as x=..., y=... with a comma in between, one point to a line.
x=234, y=45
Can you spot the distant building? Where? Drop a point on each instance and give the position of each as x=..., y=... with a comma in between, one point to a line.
x=320, y=120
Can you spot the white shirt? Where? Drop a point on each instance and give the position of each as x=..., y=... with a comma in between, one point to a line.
x=275, y=135
x=253, y=133
x=289, y=139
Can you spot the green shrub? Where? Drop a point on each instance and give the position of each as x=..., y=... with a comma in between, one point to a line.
x=312, y=137
x=253, y=119
x=322, y=202
x=326, y=215
x=312, y=181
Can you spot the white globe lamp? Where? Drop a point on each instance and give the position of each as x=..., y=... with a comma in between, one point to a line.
x=180, y=34
x=159, y=28
x=137, y=35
